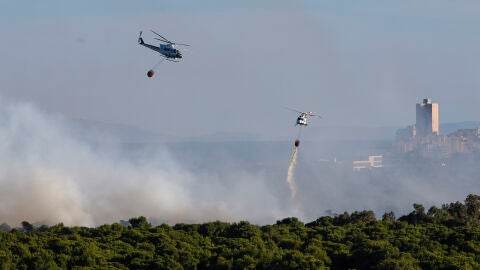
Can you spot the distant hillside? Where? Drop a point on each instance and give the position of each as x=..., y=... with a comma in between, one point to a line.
x=96, y=131
x=362, y=133
x=224, y=137
x=448, y=128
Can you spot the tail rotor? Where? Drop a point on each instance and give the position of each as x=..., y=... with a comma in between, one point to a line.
x=140, y=39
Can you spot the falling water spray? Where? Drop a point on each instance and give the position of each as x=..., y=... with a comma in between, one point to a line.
x=291, y=167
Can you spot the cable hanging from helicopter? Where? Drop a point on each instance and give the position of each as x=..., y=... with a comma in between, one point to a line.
x=151, y=72
x=168, y=50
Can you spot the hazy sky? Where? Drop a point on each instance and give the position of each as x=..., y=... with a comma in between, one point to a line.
x=357, y=63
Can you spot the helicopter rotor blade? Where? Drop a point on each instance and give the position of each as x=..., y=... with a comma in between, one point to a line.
x=173, y=43
x=313, y=114
x=166, y=40
x=181, y=44
x=163, y=40
x=292, y=109
x=181, y=48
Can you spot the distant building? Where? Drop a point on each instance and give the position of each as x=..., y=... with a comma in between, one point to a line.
x=464, y=141
x=427, y=118
x=372, y=162
x=406, y=133
x=423, y=138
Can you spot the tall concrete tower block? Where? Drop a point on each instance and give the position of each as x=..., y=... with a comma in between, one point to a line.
x=427, y=118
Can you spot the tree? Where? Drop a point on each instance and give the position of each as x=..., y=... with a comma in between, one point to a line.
x=140, y=223
x=321, y=221
x=438, y=215
x=370, y=253
x=404, y=261
x=291, y=221
x=417, y=216
x=27, y=226
x=243, y=229
x=458, y=211
x=388, y=217
x=472, y=203
x=342, y=219
x=362, y=216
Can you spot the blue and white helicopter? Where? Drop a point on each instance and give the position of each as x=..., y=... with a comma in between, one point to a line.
x=302, y=118
x=167, y=50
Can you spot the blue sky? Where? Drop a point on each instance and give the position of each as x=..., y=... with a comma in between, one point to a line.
x=358, y=63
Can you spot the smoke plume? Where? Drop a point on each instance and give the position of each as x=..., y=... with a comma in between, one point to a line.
x=49, y=175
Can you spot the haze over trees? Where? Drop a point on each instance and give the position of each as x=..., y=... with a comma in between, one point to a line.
x=446, y=237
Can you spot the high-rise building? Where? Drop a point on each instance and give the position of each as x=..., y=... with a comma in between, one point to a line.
x=427, y=118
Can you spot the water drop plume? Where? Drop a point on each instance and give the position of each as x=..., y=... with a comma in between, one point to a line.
x=290, y=177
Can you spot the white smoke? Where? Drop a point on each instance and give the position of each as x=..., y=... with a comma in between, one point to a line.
x=48, y=175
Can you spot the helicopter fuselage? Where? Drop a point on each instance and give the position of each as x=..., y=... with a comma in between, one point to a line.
x=302, y=120
x=166, y=50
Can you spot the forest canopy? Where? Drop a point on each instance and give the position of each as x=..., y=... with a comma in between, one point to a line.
x=446, y=237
